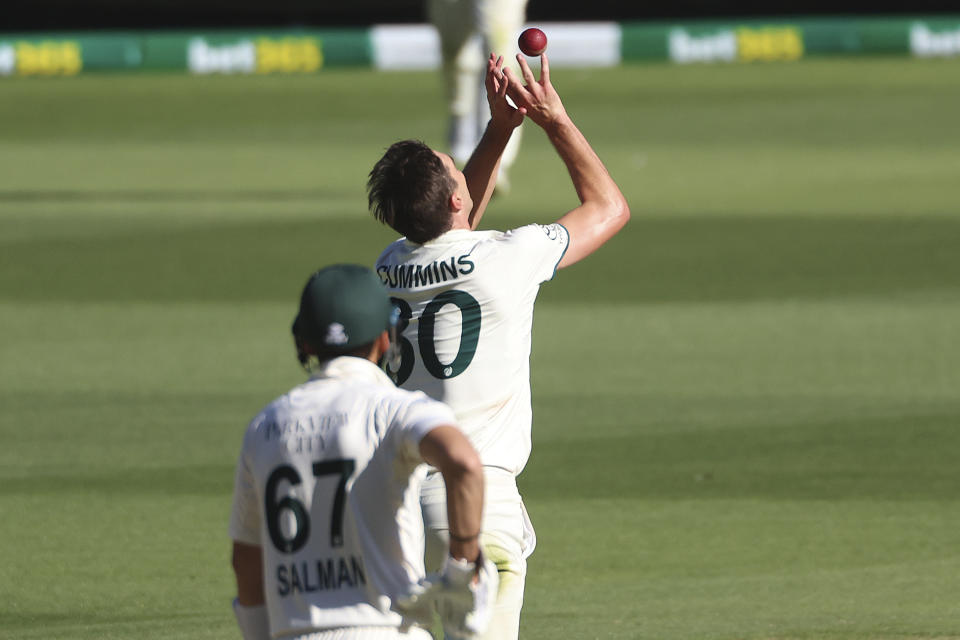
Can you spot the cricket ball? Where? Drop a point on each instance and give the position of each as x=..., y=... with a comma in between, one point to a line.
x=532, y=41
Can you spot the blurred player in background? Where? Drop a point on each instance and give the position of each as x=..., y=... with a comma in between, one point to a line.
x=328, y=534
x=468, y=29
x=467, y=296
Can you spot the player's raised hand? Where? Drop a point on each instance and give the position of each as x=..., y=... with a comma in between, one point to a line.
x=537, y=97
x=501, y=111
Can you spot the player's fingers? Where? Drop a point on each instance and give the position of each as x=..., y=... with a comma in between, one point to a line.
x=494, y=79
x=544, y=69
x=502, y=89
x=514, y=89
x=490, y=83
x=493, y=65
x=525, y=69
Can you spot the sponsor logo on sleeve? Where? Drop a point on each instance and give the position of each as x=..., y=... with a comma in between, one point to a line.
x=554, y=231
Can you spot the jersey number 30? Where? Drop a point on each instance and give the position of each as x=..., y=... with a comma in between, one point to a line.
x=275, y=508
x=469, y=336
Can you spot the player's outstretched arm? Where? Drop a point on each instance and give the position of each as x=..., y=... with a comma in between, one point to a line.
x=603, y=210
x=480, y=171
x=447, y=449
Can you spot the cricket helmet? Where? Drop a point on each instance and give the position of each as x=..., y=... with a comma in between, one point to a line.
x=342, y=307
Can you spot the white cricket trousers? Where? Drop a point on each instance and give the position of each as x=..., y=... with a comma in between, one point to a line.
x=507, y=537
x=367, y=633
x=469, y=31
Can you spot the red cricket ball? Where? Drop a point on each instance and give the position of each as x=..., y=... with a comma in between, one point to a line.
x=532, y=41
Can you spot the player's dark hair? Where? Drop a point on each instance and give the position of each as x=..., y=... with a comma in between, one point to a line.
x=409, y=189
x=311, y=357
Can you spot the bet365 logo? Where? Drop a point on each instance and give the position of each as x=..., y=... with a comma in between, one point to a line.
x=48, y=58
x=261, y=55
x=743, y=44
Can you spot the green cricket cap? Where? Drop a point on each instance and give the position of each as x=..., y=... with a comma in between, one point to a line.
x=342, y=307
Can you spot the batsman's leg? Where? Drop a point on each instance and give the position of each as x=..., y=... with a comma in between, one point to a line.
x=507, y=539
x=463, y=60
x=500, y=22
x=512, y=571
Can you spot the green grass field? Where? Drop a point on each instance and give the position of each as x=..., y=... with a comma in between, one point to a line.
x=747, y=405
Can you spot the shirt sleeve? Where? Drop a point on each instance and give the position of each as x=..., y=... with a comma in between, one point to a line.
x=418, y=416
x=245, y=513
x=537, y=249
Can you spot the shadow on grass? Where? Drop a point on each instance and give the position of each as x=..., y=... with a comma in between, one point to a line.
x=89, y=624
x=708, y=259
x=902, y=457
x=164, y=195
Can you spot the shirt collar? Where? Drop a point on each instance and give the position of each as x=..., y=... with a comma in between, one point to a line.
x=446, y=237
x=352, y=368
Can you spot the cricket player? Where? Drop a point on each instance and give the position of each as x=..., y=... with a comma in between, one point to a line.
x=466, y=299
x=326, y=522
x=467, y=29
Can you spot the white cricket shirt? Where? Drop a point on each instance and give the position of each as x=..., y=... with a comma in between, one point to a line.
x=466, y=302
x=328, y=484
